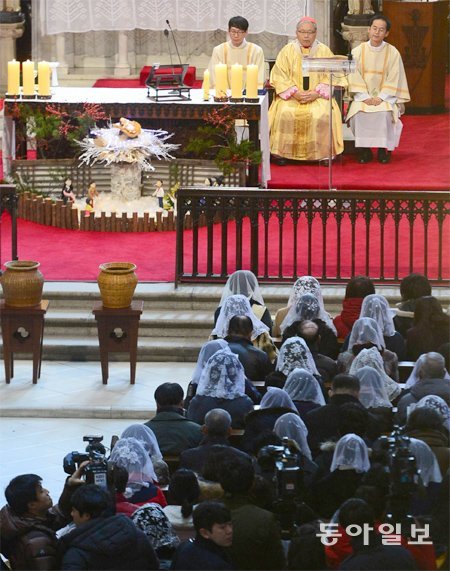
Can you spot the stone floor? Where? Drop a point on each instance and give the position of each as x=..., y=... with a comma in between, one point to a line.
x=41, y=423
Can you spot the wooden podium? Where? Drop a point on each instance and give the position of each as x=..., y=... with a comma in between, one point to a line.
x=419, y=32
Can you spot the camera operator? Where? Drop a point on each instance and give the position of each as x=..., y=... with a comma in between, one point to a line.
x=29, y=520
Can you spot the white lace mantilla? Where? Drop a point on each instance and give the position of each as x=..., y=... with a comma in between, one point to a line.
x=275, y=16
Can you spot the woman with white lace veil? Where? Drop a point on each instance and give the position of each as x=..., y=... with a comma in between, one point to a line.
x=307, y=307
x=244, y=282
x=221, y=385
x=349, y=464
x=141, y=485
x=373, y=396
x=377, y=307
x=303, y=285
x=304, y=390
x=364, y=335
x=294, y=353
x=240, y=305
x=435, y=403
x=274, y=404
x=147, y=437
x=372, y=358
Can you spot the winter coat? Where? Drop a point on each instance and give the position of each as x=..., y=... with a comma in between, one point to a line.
x=196, y=458
x=256, y=536
x=173, y=431
x=237, y=407
x=201, y=554
x=107, y=543
x=256, y=363
x=351, y=309
x=30, y=542
x=259, y=421
x=377, y=556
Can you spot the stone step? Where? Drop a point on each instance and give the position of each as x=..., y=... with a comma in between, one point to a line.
x=68, y=348
x=153, y=323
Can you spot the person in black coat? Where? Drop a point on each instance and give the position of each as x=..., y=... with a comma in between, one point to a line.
x=214, y=533
x=431, y=328
x=103, y=541
x=368, y=550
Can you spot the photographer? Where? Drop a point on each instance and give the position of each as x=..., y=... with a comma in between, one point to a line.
x=29, y=521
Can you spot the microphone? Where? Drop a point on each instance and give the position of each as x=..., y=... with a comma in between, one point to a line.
x=175, y=42
x=306, y=83
x=166, y=33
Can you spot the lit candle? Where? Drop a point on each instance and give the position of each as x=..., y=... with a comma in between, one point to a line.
x=43, y=78
x=13, y=77
x=236, y=81
x=221, y=73
x=206, y=85
x=28, y=77
x=251, y=89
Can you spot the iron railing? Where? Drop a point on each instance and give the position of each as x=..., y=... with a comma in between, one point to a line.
x=283, y=234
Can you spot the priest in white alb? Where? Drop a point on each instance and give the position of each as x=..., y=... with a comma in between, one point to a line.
x=237, y=50
x=379, y=91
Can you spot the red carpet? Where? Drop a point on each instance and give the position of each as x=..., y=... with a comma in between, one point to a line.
x=73, y=255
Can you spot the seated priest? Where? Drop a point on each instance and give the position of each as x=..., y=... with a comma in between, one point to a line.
x=237, y=50
x=299, y=114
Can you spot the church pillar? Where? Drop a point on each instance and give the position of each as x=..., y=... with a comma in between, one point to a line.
x=63, y=67
x=122, y=67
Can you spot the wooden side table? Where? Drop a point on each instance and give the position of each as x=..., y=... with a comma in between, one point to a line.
x=22, y=332
x=118, y=333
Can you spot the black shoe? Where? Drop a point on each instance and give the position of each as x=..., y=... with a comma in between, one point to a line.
x=384, y=156
x=364, y=155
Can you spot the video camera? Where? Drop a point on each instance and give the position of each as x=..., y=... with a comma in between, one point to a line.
x=96, y=472
x=402, y=468
x=287, y=476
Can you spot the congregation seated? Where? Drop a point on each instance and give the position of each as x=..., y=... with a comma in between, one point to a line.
x=221, y=385
x=366, y=334
x=244, y=282
x=377, y=307
x=172, y=429
x=431, y=328
x=356, y=290
x=303, y=285
x=238, y=305
x=294, y=353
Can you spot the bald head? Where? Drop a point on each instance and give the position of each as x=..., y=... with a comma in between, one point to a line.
x=217, y=423
x=309, y=331
x=433, y=366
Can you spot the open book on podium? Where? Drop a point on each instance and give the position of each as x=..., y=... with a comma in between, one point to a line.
x=335, y=66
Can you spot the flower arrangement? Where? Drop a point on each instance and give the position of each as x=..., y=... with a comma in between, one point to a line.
x=126, y=142
x=57, y=131
x=220, y=136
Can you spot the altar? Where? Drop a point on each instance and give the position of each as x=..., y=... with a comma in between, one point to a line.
x=134, y=104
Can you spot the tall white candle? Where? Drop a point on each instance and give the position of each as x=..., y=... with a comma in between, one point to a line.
x=28, y=77
x=43, y=78
x=221, y=72
x=236, y=81
x=252, y=82
x=13, y=77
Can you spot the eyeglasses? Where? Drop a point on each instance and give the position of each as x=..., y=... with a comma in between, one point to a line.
x=306, y=33
x=375, y=29
x=236, y=32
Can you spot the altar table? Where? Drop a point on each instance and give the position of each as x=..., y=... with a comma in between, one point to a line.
x=134, y=104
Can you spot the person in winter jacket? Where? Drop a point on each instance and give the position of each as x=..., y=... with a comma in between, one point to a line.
x=101, y=540
x=29, y=521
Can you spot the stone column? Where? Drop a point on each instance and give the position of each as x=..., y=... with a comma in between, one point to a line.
x=9, y=32
x=122, y=67
x=355, y=35
x=63, y=68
